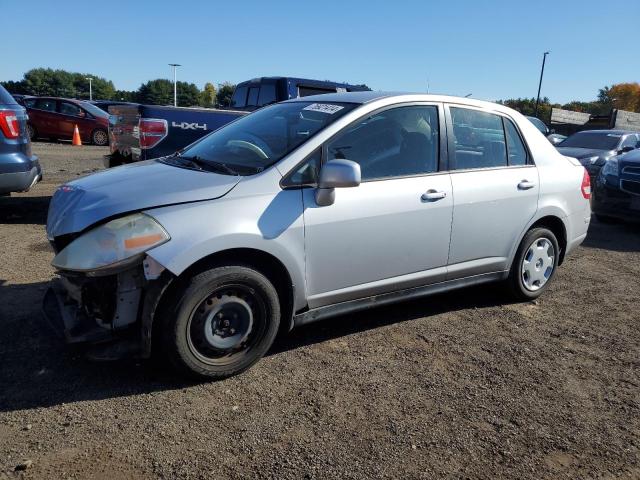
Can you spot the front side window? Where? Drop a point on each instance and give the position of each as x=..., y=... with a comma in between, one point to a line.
x=67, y=108
x=478, y=139
x=396, y=142
x=262, y=138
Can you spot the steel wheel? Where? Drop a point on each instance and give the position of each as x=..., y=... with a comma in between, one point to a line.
x=100, y=138
x=538, y=264
x=227, y=325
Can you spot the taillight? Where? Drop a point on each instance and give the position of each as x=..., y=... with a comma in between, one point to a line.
x=9, y=124
x=151, y=131
x=585, y=188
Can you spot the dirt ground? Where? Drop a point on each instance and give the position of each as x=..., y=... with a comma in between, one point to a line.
x=462, y=385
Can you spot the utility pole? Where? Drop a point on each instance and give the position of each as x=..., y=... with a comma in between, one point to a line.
x=175, y=90
x=544, y=58
x=90, y=90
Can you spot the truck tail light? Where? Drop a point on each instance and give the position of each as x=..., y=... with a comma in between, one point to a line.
x=585, y=188
x=152, y=131
x=9, y=124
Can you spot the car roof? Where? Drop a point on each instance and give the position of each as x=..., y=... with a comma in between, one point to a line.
x=370, y=96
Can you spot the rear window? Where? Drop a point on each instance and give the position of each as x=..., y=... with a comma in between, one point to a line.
x=6, y=98
x=239, y=98
x=592, y=140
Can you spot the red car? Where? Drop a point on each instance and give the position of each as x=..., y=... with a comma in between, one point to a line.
x=55, y=118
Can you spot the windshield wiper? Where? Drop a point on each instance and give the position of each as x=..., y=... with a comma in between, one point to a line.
x=202, y=164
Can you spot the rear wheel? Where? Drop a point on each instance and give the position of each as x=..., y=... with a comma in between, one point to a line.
x=535, y=264
x=100, y=137
x=223, y=321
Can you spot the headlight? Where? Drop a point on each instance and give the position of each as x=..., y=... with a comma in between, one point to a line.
x=116, y=242
x=592, y=160
x=611, y=167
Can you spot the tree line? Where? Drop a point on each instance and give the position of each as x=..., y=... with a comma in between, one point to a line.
x=60, y=83
x=623, y=96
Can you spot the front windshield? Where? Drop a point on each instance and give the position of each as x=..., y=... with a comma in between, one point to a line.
x=93, y=110
x=592, y=141
x=260, y=139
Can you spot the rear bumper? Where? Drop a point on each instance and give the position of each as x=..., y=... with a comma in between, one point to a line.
x=20, y=181
x=611, y=201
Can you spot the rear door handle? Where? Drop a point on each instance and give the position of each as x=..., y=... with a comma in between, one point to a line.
x=526, y=185
x=433, y=195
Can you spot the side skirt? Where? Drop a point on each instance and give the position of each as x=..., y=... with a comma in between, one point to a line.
x=342, y=308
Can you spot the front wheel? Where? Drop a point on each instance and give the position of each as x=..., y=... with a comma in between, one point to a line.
x=223, y=321
x=100, y=137
x=32, y=132
x=535, y=264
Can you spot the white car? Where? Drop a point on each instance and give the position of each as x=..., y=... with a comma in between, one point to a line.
x=303, y=210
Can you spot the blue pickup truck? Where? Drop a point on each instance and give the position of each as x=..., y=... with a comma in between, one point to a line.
x=142, y=132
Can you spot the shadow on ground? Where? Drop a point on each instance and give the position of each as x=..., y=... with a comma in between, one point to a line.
x=24, y=210
x=39, y=371
x=618, y=237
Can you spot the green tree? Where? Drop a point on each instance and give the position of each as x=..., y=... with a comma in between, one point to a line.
x=160, y=92
x=46, y=81
x=125, y=96
x=625, y=96
x=14, y=87
x=102, y=89
x=188, y=94
x=208, y=96
x=225, y=92
x=527, y=106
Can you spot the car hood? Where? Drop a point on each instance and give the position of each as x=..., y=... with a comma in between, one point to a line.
x=134, y=187
x=583, y=152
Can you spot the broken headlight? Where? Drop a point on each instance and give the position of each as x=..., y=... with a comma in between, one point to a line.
x=120, y=241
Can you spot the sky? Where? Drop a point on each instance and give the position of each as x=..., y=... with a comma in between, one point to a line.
x=489, y=49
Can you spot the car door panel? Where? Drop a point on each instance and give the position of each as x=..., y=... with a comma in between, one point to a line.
x=378, y=237
x=495, y=190
x=489, y=215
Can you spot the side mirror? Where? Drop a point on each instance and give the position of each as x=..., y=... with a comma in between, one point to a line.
x=626, y=149
x=336, y=174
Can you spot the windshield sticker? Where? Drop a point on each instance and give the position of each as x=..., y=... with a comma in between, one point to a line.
x=324, y=108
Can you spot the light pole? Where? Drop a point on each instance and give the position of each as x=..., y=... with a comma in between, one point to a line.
x=175, y=91
x=544, y=58
x=90, y=90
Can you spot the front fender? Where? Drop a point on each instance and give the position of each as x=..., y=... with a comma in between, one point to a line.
x=271, y=223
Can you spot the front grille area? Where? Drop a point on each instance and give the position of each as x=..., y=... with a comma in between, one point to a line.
x=631, y=170
x=630, y=186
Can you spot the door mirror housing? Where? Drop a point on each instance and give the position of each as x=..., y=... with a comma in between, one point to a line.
x=626, y=149
x=336, y=174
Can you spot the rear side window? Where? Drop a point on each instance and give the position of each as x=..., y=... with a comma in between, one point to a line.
x=239, y=98
x=267, y=94
x=515, y=147
x=252, y=100
x=5, y=97
x=45, y=104
x=478, y=139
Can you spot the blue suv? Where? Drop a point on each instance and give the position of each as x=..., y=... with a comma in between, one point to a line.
x=19, y=168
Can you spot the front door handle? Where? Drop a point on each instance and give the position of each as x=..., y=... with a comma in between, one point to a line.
x=526, y=185
x=432, y=195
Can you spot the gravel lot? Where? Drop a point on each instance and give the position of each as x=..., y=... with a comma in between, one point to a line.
x=463, y=385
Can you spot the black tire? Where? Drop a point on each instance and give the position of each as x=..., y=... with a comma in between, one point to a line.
x=605, y=219
x=32, y=132
x=100, y=137
x=516, y=280
x=222, y=322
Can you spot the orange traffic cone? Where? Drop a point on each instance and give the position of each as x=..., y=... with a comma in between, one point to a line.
x=76, y=137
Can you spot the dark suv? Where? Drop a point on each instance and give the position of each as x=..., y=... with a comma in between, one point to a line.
x=19, y=168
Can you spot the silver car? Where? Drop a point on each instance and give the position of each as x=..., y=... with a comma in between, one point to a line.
x=304, y=210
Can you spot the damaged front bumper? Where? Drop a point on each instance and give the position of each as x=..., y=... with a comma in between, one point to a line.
x=111, y=316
